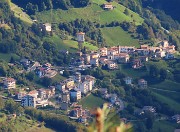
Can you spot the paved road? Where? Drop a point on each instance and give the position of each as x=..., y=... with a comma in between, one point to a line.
x=165, y=90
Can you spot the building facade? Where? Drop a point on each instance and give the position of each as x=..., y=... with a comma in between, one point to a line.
x=28, y=101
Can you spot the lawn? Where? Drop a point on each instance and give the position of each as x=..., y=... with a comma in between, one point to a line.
x=117, y=36
x=20, y=14
x=74, y=44
x=40, y=129
x=163, y=126
x=58, y=78
x=168, y=85
x=167, y=100
x=7, y=57
x=172, y=95
x=93, y=12
x=92, y=102
x=160, y=64
x=2, y=117
x=135, y=73
x=67, y=44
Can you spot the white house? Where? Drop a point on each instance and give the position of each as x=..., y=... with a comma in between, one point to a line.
x=84, y=87
x=149, y=109
x=88, y=77
x=126, y=49
x=28, y=101
x=9, y=83
x=111, y=52
x=80, y=37
x=161, y=54
x=108, y=6
x=164, y=44
x=90, y=84
x=47, y=26
x=128, y=80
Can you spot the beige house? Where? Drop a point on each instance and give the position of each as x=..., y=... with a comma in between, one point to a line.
x=9, y=83
x=80, y=37
x=69, y=83
x=112, y=65
x=108, y=6
x=122, y=58
x=103, y=51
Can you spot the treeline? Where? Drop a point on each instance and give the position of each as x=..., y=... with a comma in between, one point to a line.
x=26, y=41
x=91, y=29
x=32, y=6
x=8, y=107
x=170, y=7
x=147, y=7
x=57, y=122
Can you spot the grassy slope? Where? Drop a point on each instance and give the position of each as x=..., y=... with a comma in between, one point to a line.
x=75, y=44
x=92, y=12
x=95, y=13
x=171, y=98
x=20, y=14
x=168, y=85
x=164, y=126
x=168, y=100
x=40, y=129
x=22, y=124
x=7, y=57
x=117, y=36
x=92, y=102
x=68, y=44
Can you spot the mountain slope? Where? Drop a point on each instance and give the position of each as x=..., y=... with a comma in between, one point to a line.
x=20, y=14
x=93, y=12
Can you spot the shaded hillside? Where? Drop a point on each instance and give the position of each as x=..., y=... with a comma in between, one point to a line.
x=171, y=7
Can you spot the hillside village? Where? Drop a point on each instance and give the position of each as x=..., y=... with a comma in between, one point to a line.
x=77, y=86
x=61, y=60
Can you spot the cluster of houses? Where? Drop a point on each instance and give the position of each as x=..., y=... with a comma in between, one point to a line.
x=151, y=109
x=9, y=83
x=112, y=98
x=122, y=54
x=79, y=114
x=44, y=70
x=36, y=98
x=145, y=109
x=141, y=82
x=74, y=87
x=110, y=57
